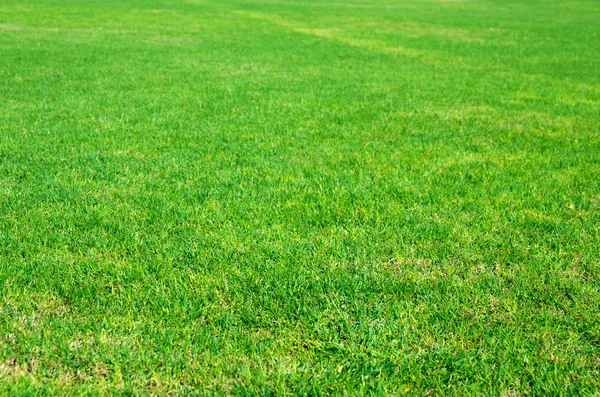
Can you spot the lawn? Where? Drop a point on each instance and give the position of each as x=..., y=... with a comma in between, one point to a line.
x=300, y=197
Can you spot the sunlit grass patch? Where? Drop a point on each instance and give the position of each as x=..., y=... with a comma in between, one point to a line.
x=299, y=197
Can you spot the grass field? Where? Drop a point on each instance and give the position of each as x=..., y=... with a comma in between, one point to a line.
x=300, y=197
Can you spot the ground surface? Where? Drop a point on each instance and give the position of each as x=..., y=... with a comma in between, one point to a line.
x=302, y=197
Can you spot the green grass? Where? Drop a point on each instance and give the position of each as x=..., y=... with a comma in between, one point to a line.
x=300, y=197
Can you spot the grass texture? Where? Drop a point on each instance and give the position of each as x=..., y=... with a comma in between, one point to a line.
x=363, y=197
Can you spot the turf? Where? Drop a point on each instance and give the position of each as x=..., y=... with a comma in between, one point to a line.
x=300, y=197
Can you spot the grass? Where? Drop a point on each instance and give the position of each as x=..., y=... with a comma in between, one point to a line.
x=300, y=197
